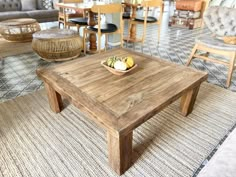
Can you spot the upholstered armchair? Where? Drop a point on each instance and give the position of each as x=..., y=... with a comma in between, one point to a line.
x=221, y=21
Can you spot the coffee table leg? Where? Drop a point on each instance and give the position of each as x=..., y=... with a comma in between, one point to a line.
x=188, y=100
x=54, y=98
x=120, y=152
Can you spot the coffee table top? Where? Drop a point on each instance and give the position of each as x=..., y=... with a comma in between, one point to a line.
x=121, y=103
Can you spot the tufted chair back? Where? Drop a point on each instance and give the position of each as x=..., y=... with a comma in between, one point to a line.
x=221, y=20
x=10, y=5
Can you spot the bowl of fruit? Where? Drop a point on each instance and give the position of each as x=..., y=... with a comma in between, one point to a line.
x=119, y=66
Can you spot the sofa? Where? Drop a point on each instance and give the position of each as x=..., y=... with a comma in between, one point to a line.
x=41, y=10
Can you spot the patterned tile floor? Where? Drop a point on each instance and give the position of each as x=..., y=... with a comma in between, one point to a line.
x=18, y=77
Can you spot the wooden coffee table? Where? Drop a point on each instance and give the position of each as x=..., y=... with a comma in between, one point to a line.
x=119, y=104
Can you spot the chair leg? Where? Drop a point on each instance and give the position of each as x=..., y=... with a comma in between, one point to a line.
x=106, y=42
x=231, y=68
x=99, y=43
x=85, y=36
x=64, y=25
x=121, y=41
x=144, y=35
x=78, y=27
x=159, y=34
x=192, y=54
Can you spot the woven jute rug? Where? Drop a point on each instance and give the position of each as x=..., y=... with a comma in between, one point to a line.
x=36, y=142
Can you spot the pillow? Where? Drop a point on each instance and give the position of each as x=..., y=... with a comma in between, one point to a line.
x=28, y=5
x=47, y=4
x=54, y=4
x=10, y=5
x=40, y=5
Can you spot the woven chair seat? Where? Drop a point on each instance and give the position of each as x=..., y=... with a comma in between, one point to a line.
x=214, y=43
x=79, y=21
x=105, y=28
x=149, y=19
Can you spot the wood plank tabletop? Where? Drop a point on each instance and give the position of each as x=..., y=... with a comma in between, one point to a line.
x=121, y=103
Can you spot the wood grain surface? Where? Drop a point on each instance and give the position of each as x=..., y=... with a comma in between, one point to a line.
x=141, y=93
x=121, y=103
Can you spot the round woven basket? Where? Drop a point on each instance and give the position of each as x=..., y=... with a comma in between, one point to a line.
x=59, y=48
x=17, y=30
x=230, y=40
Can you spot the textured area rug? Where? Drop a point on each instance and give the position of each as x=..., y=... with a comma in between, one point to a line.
x=36, y=142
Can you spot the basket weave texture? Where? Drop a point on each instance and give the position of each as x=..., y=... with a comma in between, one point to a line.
x=62, y=45
x=19, y=30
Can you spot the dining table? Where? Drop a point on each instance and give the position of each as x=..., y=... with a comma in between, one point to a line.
x=85, y=7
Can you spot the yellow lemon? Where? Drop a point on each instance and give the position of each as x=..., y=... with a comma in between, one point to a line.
x=129, y=62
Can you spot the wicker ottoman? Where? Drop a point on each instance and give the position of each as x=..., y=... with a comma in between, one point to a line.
x=57, y=44
x=19, y=30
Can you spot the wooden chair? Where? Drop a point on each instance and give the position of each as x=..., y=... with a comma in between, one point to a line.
x=65, y=15
x=108, y=28
x=147, y=4
x=220, y=21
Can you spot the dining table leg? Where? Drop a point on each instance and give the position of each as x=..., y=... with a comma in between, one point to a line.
x=133, y=26
x=132, y=29
x=92, y=36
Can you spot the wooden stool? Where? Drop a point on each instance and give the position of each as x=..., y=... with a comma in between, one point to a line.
x=57, y=44
x=19, y=30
